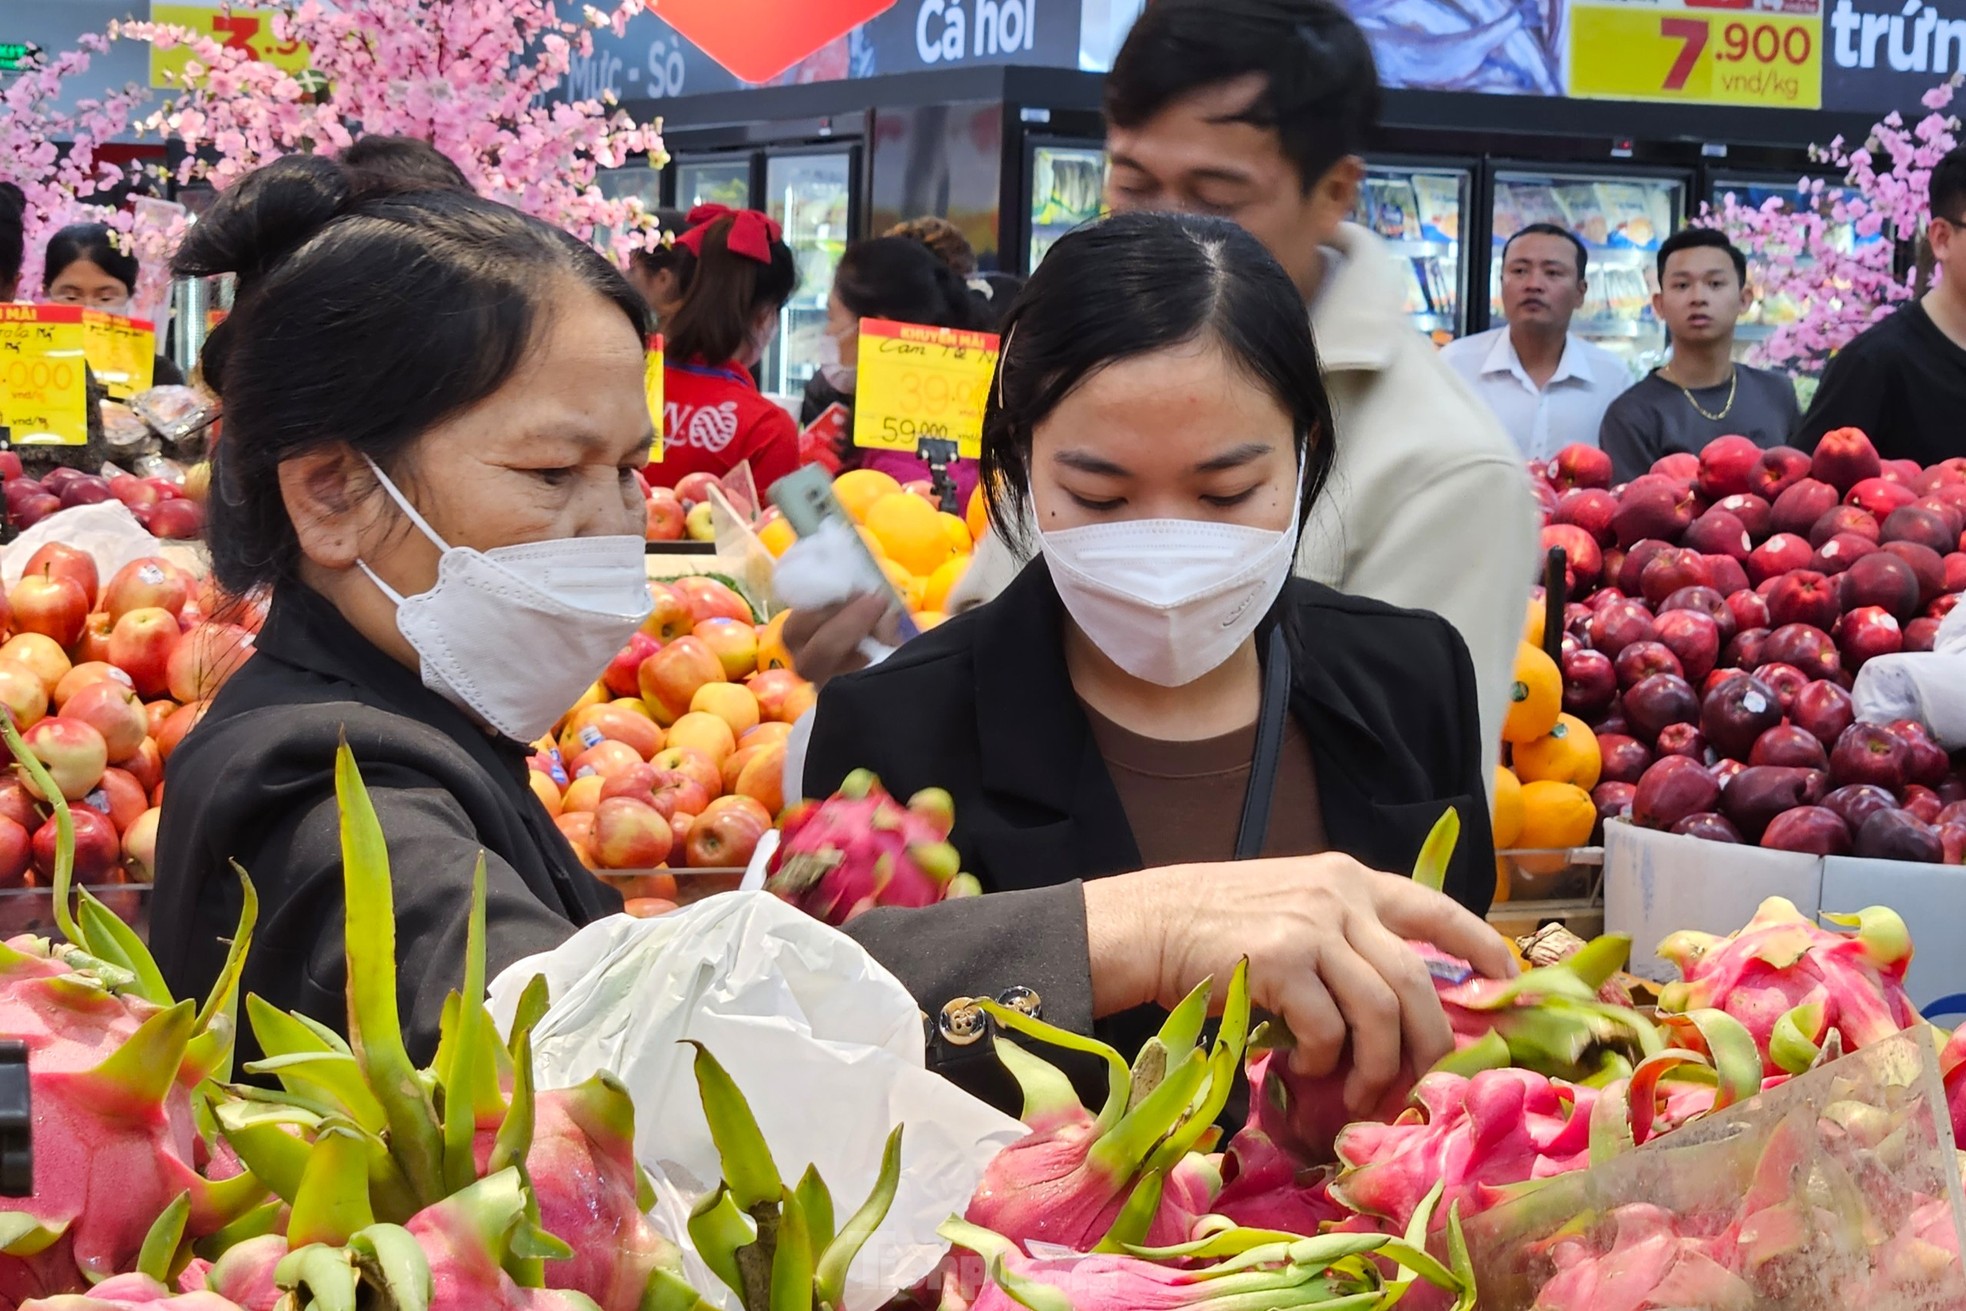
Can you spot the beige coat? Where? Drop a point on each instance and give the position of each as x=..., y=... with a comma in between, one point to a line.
x=1429, y=505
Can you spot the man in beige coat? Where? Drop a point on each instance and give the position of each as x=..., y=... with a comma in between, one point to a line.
x=1428, y=505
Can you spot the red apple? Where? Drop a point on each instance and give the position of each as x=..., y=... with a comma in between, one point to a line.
x=1927, y=565
x=1545, y=495
x=115, y=712
x=73, y=753
x=1709, y=602
x=1729, y=574
x=670, y=617
x=141, y=644
x=50, y=604
x=1796, y=510
x=144, y=584
x=120, y=797
x=1577, y=622
x=1910, y=523
x=1923, y=802
x=726, y=838
x=205, y=659
x=178, y=726
x=1655, y=511
x=1737, y=713
x=1951, y=514
x=1614, y=801
x=1788, y=745
x=1743, y=650
x=1845, y=519
x=1778, y=469
x=1952, y=840
x=1718, y=533
x=1879, y=496
x=1707, y=826
x=1588, y=508
x=638, y=783
x=1682, y=740
x=1928, y=766
x=1882, y=579
x=1632, y=569
x=709, y=599
x=93, y=646
x=734, y=642
x=1660, y=700
x=1724, y=466
x=1749, y=610
x=1578, y=465
x=1942, y=606
x=10, y=468
x=669, y=678
x=97, y=848
x=665, y=516
x=1870, y=753
x=1899, y=835
x=1621, y=625
x=623, y=674
x=1641, y=660
x=16, y=851
x=1802, y=597
x=140, y=847
x=1786, y=680
x=1672, y=789
x=1602, y=597
x=1866, y=632
x=1625, y=759
x=89, y=489
x=146, y=765
x=159, y=713
x=1922, y=634
x=607, y=759
x=81, y=675
x=1955, y=576
x=1845, y=457
x=178, y=521
x=133, y=491
x=1718, y=675
x=1590, y=682
x=630, y=834
x=1823, y=710
x=1755, y=514
x=58, y=560
x=1694, y=637
x=31, y=510
x=1783, y=553
x=1804, y=647
x=1670, y=570
x=681, y=797
x=692, y=766
x=1840, y=552
x=1854, y=803
x=1907, y=472
x=694, y=488
x=20, y=805
x=1811, y=830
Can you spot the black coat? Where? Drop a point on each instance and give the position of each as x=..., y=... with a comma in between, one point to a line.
x=255, y=782
x=984, y=707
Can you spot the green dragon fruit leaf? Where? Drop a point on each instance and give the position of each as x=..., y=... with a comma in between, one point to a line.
x=257, y=1222
x=321, y=1278
x=791, y=1260
x=1610, y=1124
x=1430, y=868
x=1136, y=1217
x=308, y=1068
x=1796, y=1040
x=1488, y=1052
x=158, y=1258
x=392, y=1262
x=64, y=837
x=1600, y=958
x=1731, y=1050
x=719, y=1231
x=513, y=1143
x=375, y=1029
x=217, y=1029
x=1119, y=1076
x=118, y=944
x=748, y=1167
x=1123, y=1153
x=466, y=1069
x=1886, y=941
x=259, y=1134
x=669, y=1291
x=134, y=1079
x=837, y=1256
x=534, y=1000
x=332, y=1204
x=1182, y=1028
x=1231, y=1043
x=23, y=1235
x=816, y=1201
x=1415, y=1262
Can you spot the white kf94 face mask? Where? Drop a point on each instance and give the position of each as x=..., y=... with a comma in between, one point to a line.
x=515, y=634
x=1168, y=600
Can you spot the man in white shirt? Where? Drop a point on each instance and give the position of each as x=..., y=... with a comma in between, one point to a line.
x=1548, y=387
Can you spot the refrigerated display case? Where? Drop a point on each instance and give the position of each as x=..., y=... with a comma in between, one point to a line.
x=1621, y=218
x=1420, y=211
x=1067, y=188
x=811, y=194
x=725, y=181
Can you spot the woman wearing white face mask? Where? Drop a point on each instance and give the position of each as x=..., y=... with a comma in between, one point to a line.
x=1155, y=697
x=84, y=266
x=434, y=416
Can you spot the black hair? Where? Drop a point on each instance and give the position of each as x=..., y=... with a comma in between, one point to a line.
x=92, y=242
x=1320, y=86
x=1130, y=285
x=655, y=259
x=405, y=162
x=1949, y=186
x=722, y=295
x=1702, y=239
x=361, y=318
x=1552, y=230
x=899, y=278
x=995, y=297
x=13, y=232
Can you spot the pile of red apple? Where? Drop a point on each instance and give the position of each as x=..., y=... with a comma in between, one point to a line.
x=683, y=510
x=160, y=505
x=1719, y=608
x=104, y=681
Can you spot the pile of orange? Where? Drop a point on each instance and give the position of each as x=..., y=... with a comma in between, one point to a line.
x=1543, y=792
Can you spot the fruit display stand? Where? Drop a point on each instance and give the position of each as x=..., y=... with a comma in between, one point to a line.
x=1535, y=888
x=735, y=553
x=32, y=910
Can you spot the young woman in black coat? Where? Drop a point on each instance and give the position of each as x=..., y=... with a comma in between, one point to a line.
x=1156, y=692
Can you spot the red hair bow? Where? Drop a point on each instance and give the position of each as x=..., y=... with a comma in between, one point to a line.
x=751, y=231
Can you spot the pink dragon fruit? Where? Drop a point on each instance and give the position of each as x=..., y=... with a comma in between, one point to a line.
x=466, y=1238
x=1952, y=1065
x=860, y=849
x=128, y=1291
x=1649, y=1267
x=243, y=1275
x=1791, y=982
x=1474, y=1136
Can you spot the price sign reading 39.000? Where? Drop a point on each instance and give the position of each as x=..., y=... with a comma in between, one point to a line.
x=44, y=393
x=916, y=382
x=1729, y=57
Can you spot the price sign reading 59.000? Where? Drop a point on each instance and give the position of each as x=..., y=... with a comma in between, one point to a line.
x=44, y=393
x=1731, y=57
x=916, y=382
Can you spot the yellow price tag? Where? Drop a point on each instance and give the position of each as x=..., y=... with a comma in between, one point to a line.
x=44, y=391
x=652, y=368
x=917, y=382
x=1701, y=56
x=123, y=352
x=238, y=27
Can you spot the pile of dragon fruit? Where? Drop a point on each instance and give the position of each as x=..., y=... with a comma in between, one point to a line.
x=333, y=1174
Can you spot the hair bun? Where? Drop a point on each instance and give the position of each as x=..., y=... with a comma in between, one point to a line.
x=264, y=217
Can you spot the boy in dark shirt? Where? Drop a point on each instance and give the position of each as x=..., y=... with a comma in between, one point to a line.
x=1699, y=393
x=1903, y=381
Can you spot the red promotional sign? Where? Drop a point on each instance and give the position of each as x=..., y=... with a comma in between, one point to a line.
x=759, y=39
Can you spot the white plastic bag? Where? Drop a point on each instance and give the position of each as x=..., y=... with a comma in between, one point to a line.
x=106, y=530
x=824, y=1042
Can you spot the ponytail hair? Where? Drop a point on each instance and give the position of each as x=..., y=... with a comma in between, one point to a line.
x=899, y=278
x=724, y=290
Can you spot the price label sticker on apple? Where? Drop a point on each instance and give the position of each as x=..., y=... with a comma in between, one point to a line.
x=917, y=382
x=44, y=394
x=652, y=368
x=122, y=351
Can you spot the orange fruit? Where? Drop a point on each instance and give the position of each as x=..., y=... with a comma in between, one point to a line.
x=935, y=594
x=1508, y=809
x=911, y=532
x=958, y=533
x=898, y=575
x=1555, y=816
x=1536, y=697
x=772, y=651
x=1502, y=888
x=1567, y=754
x=1532, y=627
x=873, y=543
x=858, y=489
x=975, y=515
x=777, y=536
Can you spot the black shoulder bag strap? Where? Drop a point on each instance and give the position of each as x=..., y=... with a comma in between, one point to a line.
x=1255, y=830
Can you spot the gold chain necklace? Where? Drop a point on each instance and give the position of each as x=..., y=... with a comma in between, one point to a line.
x=1733, y=381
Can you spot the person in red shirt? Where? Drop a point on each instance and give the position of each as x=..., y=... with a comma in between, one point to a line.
x=737, y=274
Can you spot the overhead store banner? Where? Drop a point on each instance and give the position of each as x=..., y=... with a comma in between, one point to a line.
x=1882, y=55
x=1706, y=54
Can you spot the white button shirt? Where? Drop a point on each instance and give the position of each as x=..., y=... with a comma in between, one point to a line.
x=1541, y=420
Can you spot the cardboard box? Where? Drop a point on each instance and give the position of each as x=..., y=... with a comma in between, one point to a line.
x=1657, y=883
